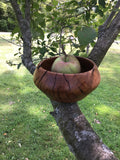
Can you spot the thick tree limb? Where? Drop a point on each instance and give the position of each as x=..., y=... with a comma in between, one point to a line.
x=79, y=135
x=107, y=34
x=24, y=24
x=27, y=10
x=112, y=14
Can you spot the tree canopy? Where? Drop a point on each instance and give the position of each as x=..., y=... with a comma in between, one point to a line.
x=7, y=16
x=70, y=23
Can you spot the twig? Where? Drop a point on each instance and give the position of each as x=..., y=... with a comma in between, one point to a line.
x=61, y=45
x=63, y=51
x=10, y=42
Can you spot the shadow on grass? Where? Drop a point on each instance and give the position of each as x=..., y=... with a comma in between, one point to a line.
x=27, y=128
x=29, y=131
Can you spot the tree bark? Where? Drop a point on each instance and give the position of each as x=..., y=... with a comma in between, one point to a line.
x=106, y=36
x=79, y=135
x=24, y=24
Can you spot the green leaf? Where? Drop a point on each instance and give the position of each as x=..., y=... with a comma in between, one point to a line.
x=18, y=66
x=82, y=48
x=77, y=53
x=43, y=43
x=41, y=20
x=55, y=44
x=49, y=34
x=51, y=53
x=41, y=33
x=55, y=3
x=53, y=49
x=93, y=2
x=16, y=30
x=74, y=2
x=76, y=45
x=16, y=54
x=86, y=35
x=43, y=50
x=70, y=11
x=99, y=11
x=48, y=8
x=35, y=5
x=102, y=3
x=87, y=15
x=10, y=20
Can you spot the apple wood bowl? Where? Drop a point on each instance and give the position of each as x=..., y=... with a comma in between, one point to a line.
x=67, y=88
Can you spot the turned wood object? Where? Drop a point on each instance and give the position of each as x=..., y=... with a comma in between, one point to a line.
x=67, y=88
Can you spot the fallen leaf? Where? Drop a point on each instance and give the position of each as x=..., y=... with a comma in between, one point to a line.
x=11, y=103
x=19, y=144
x=5, y=134
x=97, y=121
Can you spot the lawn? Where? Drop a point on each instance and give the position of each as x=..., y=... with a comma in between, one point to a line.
x=29, y=132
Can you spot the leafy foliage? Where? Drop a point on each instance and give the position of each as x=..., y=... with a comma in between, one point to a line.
x=7, y=17
x=73, y=24
x=86, y=35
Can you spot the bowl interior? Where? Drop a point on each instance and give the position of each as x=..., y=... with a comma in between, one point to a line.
x=86, y=64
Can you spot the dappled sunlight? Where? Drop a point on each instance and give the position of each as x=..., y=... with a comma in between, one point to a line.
x=41, y=111
x=105, y=109
x=26, y=90
x=115, y=47
x=106, y=70
x=5, y=109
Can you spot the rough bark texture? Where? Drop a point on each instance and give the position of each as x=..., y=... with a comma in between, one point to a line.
x=24, y=24
x=107, y=34
x=79, y=135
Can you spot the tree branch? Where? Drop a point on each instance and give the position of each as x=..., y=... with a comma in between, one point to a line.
x=24, y=24
x=27, y=10
x=80, y=137
x=112, y=14
x=105, y=40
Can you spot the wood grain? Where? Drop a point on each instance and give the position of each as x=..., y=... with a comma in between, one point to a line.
x=67, y=88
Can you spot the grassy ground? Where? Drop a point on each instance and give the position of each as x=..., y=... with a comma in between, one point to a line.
x=29, y=132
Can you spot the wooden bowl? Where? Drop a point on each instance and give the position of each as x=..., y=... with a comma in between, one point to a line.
x=67, y=88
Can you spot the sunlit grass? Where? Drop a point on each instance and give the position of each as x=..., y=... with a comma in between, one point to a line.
x=102, y=106
x=27, y=130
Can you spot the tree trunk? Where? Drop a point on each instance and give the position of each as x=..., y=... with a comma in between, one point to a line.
x=79, y=135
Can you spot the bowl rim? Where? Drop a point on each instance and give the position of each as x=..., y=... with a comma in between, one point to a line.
x=67, y=74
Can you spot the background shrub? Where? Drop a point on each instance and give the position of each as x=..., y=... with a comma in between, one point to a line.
x=7, y=17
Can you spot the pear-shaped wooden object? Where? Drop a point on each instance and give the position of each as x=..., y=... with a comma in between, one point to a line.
x=67, y=88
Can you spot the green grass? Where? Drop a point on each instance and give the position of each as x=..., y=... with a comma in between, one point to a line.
x=29, y=132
